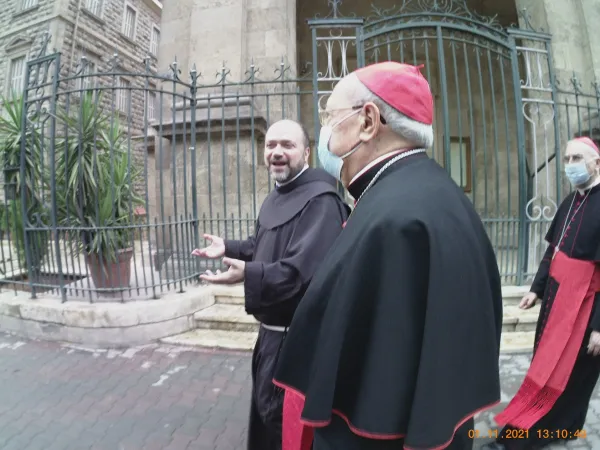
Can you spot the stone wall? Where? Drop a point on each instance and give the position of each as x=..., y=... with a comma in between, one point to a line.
x=21, y=33
x=100, y=37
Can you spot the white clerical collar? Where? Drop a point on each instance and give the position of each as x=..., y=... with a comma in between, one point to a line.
x=373, y=163
x=289, y=181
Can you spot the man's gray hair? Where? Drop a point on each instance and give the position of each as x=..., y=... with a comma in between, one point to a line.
x=417, y=133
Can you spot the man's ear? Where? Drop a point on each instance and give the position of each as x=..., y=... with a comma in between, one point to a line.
x=370, y=122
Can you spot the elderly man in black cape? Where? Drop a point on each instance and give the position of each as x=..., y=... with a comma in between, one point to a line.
x=396, y=342
x=552, y=402
x=297, y=224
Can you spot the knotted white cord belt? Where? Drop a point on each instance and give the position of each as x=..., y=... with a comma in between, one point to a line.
x=274, y=328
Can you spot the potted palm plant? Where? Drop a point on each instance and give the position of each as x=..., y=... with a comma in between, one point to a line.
x=29, y=188
x=96, y=181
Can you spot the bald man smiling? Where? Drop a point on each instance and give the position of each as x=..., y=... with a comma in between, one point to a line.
x=297, y=224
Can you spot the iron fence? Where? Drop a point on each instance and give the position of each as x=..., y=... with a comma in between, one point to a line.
x=111, y=178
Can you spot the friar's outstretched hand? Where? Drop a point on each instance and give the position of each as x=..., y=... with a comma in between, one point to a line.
x=216, y=249
x=235, y=273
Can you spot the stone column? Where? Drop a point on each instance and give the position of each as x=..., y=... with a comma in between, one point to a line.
x=236, y=32
x=571, y=23
x=271, y=34
x=271, y=45
x=231, y=119
x=590, y=17
x=206, y=33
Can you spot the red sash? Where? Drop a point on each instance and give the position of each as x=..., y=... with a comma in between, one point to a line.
x=559, y=344
x=296, y=435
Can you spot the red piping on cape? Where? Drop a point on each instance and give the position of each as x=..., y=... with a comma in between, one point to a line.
x=366, y=434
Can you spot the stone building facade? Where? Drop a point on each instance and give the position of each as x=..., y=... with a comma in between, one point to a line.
x=88, y=34
x=512, y=80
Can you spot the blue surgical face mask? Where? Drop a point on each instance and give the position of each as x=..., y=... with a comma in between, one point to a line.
x=331, y=163
x=577, y=173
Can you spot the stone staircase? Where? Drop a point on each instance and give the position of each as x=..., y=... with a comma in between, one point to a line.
x=225, y=324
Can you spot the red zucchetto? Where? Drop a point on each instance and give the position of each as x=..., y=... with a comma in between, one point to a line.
x=587, y=141
x=402, y=86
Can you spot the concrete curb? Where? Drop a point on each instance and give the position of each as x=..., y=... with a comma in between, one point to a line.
x=103, y=324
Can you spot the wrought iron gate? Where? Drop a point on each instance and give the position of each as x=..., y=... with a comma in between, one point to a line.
x=487, y=81
x=502, y=120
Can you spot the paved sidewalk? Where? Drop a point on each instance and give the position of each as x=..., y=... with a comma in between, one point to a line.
x=57, y=397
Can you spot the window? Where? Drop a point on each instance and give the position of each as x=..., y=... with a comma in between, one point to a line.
x=26, y=4
x=460, y=161
x=86, y=82
x=129, y=22
x=123, y=94
x=94, y=6
x=154, y=40
x=16, y=75
x=151, y=106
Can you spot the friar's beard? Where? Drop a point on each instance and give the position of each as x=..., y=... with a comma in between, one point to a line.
x=285, y=173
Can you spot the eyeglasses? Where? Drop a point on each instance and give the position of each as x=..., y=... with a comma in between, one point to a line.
x=325, y=114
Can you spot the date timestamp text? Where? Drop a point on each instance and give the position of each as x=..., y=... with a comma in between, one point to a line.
x=494, y=433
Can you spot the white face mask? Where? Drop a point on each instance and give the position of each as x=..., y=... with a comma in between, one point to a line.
x=577, y=173
x=331, y=163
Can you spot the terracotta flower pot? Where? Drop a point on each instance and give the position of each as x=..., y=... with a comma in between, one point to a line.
x=108, y=274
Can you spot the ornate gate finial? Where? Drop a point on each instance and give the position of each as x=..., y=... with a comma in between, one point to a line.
x=334, y=11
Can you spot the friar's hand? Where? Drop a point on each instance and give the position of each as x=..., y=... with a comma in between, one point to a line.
x=216, y=249
x=528, y=300
x=594, y=345
x=235, y=273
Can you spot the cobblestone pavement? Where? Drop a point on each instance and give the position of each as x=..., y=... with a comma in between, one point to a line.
x=61, y=397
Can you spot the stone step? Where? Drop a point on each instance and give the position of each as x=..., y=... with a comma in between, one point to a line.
x=513, y=342
x=229, y=295
x=231, y=316
x=222, y=316
x=517, y=342
x=226, y=325
x=516, y=319
x=234, y=295
x=512, y=295
x=215, y=339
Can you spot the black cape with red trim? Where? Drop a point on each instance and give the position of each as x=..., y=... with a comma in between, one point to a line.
x=399, y=331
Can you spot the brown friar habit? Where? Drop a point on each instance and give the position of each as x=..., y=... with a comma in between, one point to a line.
x=396, y=342
x=553, y=400
x=297, y=224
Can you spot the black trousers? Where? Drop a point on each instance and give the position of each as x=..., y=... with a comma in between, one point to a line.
x=337, y=436
x=266, y=405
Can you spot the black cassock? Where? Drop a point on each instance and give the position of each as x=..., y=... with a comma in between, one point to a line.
x=581, y=241
x=297, y=224
x=398, y=334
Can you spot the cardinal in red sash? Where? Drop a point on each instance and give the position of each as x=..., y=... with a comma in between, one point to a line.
x=552, y=403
